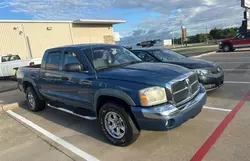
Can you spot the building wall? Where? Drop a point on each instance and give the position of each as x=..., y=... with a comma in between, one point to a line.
x=21, y=38
x=11, y=41
x=40, y=38
x=83, y=33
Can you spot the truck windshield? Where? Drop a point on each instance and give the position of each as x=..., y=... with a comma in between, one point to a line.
x=10, y=58
x=110, y=56
x=166, y=55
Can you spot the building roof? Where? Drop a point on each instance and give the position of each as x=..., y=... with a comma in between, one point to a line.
x=86, y=21
x=79, y=21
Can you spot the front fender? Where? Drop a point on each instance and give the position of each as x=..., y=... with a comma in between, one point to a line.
x=113, y=93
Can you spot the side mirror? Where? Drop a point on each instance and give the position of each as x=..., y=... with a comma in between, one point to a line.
x=73, y=67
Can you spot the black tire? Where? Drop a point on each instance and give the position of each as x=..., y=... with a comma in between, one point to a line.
x=227, y=48
x=38, y=103
x=131, y=131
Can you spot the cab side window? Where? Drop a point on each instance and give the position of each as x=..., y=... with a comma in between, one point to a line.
x=70, y=58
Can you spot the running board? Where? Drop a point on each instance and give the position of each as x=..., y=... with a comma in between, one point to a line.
x=72, y=113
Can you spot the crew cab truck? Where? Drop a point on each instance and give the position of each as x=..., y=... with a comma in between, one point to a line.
x=111, y=84
x=241, y=40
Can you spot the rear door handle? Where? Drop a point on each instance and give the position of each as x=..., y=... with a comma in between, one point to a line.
x=64, y=78
x=85, y=82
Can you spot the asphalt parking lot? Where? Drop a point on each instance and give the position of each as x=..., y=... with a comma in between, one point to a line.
x=219, y=133
x=7, y=84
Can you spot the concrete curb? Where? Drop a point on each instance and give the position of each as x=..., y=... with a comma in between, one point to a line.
x=12, y=106
x=205, y=54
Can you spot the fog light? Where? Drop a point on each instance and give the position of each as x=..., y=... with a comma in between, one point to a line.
x=170, y=123
x=166, y=124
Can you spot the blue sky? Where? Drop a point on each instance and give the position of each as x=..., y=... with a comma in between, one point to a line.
x=147, y=19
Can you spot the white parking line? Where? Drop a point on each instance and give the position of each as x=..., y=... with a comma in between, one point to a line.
x=231, y=62
x=217, y=109
x=58, y=140
x=236, y=82
x=238, y=70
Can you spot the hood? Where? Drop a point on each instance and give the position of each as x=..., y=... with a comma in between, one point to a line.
x=147, y=73
x=191, y=63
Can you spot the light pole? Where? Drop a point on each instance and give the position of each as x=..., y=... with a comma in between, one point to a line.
x=206, y=36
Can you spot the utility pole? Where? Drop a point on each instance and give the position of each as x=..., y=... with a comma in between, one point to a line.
x=173, y=35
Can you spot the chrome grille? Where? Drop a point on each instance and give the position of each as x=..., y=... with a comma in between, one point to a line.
x=181, y=96
x=192, y=78
x=185, y=89
x=179, y=85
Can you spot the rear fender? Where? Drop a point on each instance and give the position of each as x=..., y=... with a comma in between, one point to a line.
x=31, y=81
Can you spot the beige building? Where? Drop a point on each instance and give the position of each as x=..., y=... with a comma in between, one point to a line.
x=29, y=39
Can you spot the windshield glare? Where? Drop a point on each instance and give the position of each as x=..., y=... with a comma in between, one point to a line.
x=110, y=56
x=166, y=55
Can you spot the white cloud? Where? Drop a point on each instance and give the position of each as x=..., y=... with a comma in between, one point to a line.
x=57, y=9
x=196, y=15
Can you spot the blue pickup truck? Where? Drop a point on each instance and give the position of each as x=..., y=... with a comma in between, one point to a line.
x=111, y=84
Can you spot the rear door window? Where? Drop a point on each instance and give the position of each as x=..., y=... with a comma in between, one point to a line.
x=53, y=60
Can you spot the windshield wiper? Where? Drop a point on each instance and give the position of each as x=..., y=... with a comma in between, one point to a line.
x=119, y=65
x=132, y=62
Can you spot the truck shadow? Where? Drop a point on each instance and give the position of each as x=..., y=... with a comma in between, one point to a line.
x=7, y=84
x=83, y=126
x=239, y=51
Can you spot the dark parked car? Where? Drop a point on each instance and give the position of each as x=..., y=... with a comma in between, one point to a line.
x=111, y=84
x=210, y=74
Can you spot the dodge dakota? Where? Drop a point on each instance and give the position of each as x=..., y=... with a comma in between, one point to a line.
x=111, y=84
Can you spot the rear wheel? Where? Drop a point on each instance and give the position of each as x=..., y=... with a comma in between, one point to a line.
x=34, y=103
x=117, y=125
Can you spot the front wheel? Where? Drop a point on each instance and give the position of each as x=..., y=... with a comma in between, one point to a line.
x=117, y=125
x=227, y=48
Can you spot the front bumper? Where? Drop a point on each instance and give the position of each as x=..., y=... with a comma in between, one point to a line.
x=153, y=118
x=211, y=82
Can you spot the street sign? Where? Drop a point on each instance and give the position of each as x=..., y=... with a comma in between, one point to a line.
x=245, y=3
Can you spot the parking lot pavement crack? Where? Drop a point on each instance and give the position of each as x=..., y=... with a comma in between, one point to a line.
x=42, y=138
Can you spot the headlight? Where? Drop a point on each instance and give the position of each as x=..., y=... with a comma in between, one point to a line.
x=220, y=43
x=152, y=96
x=201, y=71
